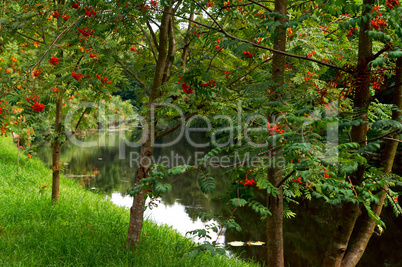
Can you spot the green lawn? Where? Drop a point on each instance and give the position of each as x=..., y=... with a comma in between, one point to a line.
x=82, y=229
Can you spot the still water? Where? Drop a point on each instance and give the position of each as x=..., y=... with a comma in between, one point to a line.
x=107, y=168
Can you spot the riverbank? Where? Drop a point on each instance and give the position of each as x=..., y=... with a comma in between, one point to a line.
x=82, y=229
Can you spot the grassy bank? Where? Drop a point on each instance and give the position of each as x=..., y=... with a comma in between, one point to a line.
x=83, y=229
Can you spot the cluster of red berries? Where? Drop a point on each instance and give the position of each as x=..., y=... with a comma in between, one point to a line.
x=209, y=4
x=378, y=23
x=326, y=175
x=39, y=107
x=274, y=129
x=248, y=54
x=258, y=13
x=103, y=79
x=211, y=83
x=55, y=14
x=54, y=90
x=298, y=180
x=226, y=5
x=76, y=5
x=54, y=61
x=250, y=182
x=154, y=3
x=90, y=12
x=32, y=98
x=351, y=30
x=65, y=16
x=309, y=75
x=37, y=73
x=86, y=32
x=186, y=88
x=311, y=54
x=376, y=85
x=392, y=3
x=77, y=76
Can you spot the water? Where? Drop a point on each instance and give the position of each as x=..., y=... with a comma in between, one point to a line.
x=103, y=169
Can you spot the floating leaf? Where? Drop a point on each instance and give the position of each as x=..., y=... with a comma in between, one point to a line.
x=236, y=243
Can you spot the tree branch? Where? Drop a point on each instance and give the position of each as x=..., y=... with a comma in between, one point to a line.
x=380, y=137
x=53, y=43
x=150, y=43
x=171, y=51
x=221, y=30
x=261, y=5
x=248, y=72
x=386, y=48
x=393, y=139
x=285, y=179
x=30, y=38
x=186, y=47
x=153, y=34
x=134, y=76
x=174, y=127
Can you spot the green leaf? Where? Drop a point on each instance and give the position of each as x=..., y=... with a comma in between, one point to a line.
x=207, y=184
x=238, y=202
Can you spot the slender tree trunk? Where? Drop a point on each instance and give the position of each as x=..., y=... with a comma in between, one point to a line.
x=56, y=151
x=166, y=51
x=274, y=224
x=58, y=133
x=358, y=247
x=18, y=146
x=186, y=48
x=137, y=210
x=350, y=211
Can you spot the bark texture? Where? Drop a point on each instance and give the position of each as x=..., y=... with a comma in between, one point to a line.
x=56, y=151
x=274, y=224
x=58, y=132
x=350, y=211
x=166, y=50
x=358, y=247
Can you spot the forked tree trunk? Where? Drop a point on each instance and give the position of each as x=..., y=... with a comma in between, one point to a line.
x=274, y=224
x=350, y=211
x=358, y=247
x=166, y=50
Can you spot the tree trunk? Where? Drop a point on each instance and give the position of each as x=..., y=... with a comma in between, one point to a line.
x=366, y=230
x=137, y=210
x=165, y=54
x=56, y=151
x=350, y=211
x=57, y=133
x=274, y=224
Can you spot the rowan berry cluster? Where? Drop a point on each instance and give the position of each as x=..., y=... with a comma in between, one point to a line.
x=250, y=182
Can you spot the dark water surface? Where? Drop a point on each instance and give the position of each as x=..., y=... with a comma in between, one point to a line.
x=107, y=170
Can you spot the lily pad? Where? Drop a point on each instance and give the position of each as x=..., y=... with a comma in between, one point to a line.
x=257, y=243
x=236, y=243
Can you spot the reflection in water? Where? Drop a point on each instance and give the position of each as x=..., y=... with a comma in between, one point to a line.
x=174, y=215
x=305, y=236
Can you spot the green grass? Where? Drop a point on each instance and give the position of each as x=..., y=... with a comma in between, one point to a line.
x=82, y=229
